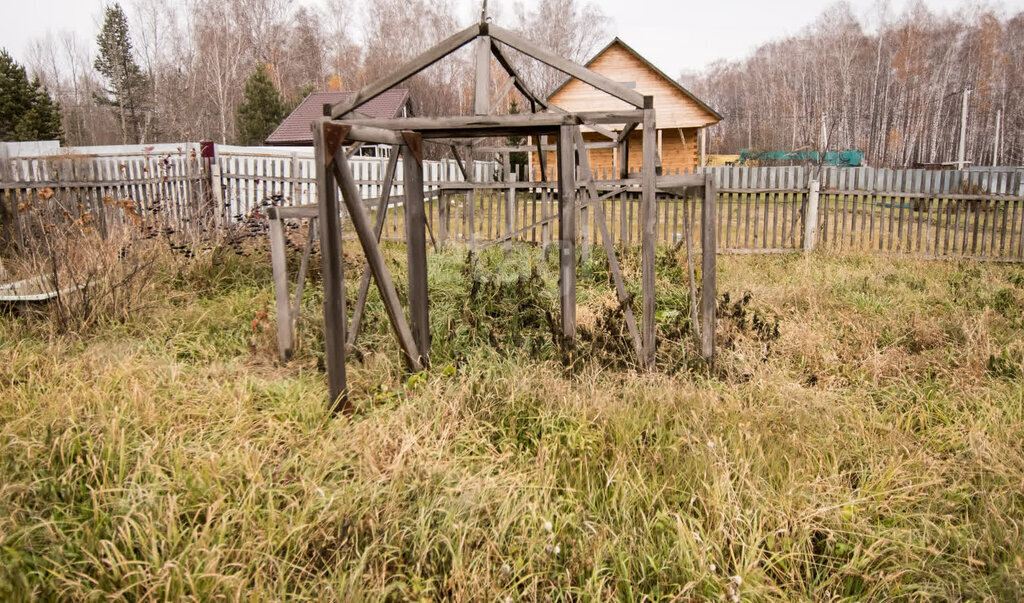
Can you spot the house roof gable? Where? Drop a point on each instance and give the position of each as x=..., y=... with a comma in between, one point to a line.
x=661, y=74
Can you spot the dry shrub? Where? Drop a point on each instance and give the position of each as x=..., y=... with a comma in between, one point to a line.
x=102, y=266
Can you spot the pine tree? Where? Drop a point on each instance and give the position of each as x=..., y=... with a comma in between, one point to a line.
x=26, y=110
x=127, y=83
x=262, y=109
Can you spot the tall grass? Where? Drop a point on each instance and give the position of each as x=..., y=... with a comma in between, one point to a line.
x=860, y=437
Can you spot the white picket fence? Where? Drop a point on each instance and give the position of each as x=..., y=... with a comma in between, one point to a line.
x=973, y=213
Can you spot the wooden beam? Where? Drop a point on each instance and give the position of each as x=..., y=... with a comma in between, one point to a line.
x=416, y=244
x=709, y=286
x=624, y=134
x=542, y=159
x=378, y=227
x=567, y=238
x=332, y=267
x=282, y=296
x=506, y=64
x=295, y=212
x=482, y=81
x=509, y=84
x=537, y=147
x=590, y=118
x=373, y=135
x=381, y=275
x=471, y=126
x=411, y=68
x=648, y=214
x=464, y=168
x=564, y=65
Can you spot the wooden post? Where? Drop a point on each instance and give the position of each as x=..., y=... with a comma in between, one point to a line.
x=545, y=229
x=709, y=249
x=583, y=162
x=648, y=216
x=703, y=146
x=293, y=182
x=482, y=86
x=811, y=216
x=510, y=200
x=442, y=218
x=567, y=237
x=415, y=243
x=8, y=212
x=326, y=148
x=282, y=298
x=623, y=199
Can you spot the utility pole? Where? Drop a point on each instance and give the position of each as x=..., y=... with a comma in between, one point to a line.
x=995, y=143
x=961, y=155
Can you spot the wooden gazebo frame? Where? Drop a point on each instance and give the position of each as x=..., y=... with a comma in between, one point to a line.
x=407, y=135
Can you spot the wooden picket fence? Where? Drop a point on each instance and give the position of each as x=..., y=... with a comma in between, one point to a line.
x=973, y=213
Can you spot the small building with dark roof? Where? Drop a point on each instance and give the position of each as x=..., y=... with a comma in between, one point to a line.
x=294, y=130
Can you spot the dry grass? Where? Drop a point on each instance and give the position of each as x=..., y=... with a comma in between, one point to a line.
x=871, y=449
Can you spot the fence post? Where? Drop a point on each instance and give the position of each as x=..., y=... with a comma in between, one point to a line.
x=6, y=216
x=510, y=207
x=207, y=158
x=811, y=216
x=709, y=284
x=294, y=177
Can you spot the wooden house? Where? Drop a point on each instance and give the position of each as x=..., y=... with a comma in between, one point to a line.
x=680, y=116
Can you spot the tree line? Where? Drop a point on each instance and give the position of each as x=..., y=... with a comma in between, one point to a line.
x=889, y=85
x=229, y=70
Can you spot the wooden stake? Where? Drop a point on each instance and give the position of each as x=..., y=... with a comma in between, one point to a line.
x=709, y=249
x=567, y=237
x=326, y=145
x=282, y=297
x=648, y=219
x=415, y=243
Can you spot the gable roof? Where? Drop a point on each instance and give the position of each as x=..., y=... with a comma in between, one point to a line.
x=294, y=130
x=618, y=41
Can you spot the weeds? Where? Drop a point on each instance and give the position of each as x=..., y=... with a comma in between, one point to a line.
x=838, y=451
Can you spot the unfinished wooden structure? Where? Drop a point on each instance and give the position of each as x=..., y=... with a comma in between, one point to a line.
x=575, y=189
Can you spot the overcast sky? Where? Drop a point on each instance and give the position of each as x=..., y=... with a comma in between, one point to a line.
x=682, y=35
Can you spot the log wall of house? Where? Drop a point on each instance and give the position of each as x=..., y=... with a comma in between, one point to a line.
x=677, y=152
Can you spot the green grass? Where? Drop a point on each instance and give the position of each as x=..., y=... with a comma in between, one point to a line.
x=869, y=448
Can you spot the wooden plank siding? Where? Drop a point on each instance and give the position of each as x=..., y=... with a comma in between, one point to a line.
x=674, y=152
x=679, y=114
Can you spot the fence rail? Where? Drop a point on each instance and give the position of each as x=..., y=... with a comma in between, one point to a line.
x=972, y=213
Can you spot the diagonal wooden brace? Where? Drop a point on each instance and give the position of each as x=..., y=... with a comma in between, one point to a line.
x=381, y=275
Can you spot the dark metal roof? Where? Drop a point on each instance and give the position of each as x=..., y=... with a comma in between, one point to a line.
x=294, y=130
x=630, y=49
